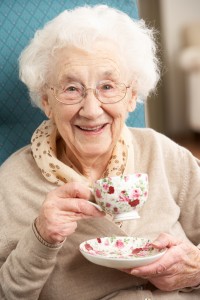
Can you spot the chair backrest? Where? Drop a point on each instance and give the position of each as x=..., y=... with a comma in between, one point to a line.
x=18, y=22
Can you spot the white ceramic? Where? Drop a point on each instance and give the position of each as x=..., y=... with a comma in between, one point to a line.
x=96, y=205
x=120, y=252
x=122, y=196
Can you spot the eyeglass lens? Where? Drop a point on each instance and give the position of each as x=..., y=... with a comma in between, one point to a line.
x=106, y=92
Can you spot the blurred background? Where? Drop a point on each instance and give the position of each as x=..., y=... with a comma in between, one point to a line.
x=175, y=108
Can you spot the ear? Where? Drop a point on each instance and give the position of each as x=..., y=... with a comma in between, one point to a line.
x=47, y=107
x=132, y=102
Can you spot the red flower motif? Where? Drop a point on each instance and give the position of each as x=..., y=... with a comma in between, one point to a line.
x=119, y=244
x=136, y=250
x=98, y=193
x=143, y=251
x=99, y=240
x=88, y=247
x=123, y=197
x=115, y=209
x=134, y=203
x=126, y=178
x=105, y=186
x=136, y=193
x=138, y=175
x=111, y=190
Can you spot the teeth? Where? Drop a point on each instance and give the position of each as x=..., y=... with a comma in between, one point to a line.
x=91, y=129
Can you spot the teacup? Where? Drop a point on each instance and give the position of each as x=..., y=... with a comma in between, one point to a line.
x=122, y=196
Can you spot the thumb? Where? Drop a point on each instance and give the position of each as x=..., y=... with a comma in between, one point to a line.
x=165, y=240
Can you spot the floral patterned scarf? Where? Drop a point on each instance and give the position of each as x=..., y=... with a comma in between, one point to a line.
x=45, y=154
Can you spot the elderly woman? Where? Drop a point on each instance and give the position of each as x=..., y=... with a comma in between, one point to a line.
x=86, y=69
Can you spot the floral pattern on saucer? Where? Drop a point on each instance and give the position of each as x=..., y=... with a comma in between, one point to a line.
x=119, y=247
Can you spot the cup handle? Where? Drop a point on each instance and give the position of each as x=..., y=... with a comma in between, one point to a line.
x=96, y=205
x=92, y=203
x=91, y=190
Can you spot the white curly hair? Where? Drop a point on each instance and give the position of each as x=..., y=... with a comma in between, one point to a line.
x=81, y=27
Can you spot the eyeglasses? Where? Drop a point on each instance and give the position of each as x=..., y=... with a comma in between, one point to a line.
x=107, y=92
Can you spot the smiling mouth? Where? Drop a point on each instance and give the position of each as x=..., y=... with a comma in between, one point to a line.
x=91, y=129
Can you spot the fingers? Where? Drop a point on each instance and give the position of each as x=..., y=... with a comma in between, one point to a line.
x=145, y=272
x=148, y=272
x=163, y=265
x=78, y=208
x=73, y=190
x=160, y=266
x=73, y=197
x=61, y=210
x=177, y=268
x=165, y=240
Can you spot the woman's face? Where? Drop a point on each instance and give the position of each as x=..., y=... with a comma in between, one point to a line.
x=89, y=128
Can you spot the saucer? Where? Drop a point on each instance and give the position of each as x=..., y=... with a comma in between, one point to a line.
x=120, y=252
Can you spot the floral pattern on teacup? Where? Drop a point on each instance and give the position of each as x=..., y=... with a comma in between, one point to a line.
x=121, y=194
x=119, y=247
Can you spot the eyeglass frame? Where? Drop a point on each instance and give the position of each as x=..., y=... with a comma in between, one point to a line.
x=94, y=93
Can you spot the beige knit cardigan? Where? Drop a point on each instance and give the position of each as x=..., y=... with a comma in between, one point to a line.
x=31, y=270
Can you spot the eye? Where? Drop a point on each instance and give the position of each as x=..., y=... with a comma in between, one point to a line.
x=107, y=86
x=71, y=91
x=70, y=88
x=107, y=89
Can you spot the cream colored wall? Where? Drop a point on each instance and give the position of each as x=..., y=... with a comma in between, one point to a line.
x=167, y=111
x=174, y=16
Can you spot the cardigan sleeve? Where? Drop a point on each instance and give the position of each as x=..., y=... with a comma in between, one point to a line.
x=25, y=262
x=26, y=269
x=189, y=197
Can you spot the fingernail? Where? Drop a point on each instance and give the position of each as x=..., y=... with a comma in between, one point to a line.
x=157, y=243
x=134, y=272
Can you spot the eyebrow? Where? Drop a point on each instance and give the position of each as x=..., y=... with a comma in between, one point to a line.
x=110, y=74
x=73, y=78
x=69, y=78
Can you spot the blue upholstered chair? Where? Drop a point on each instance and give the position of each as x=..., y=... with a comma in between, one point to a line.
x=18, y=22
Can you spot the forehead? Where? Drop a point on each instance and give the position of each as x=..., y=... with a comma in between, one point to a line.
x=76, y=62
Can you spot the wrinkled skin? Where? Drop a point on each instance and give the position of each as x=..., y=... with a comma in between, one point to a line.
x=61, y=210
x=178, y=268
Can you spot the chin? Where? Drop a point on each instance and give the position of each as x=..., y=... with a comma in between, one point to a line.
x=95, y=151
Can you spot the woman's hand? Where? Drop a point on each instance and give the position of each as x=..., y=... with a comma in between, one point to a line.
x=178, y=268
x=61, y=210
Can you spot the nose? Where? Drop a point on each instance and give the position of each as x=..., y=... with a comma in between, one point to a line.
x=91, y=107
